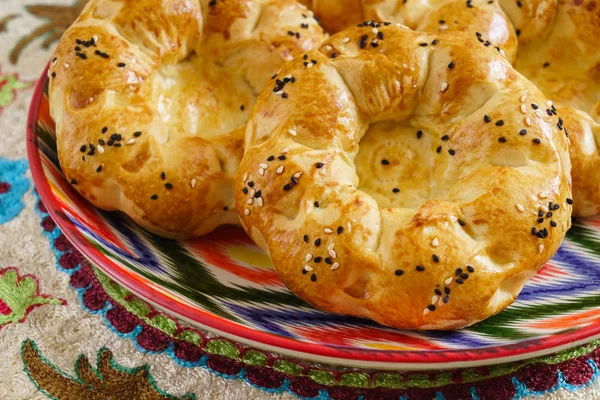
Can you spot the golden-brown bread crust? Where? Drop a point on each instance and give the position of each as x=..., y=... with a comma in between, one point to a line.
x=565, y=65
x=444, y=178
x=429, y=16
x=184, y=75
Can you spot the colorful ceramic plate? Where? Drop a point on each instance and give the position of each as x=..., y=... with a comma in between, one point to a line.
x=224, y=283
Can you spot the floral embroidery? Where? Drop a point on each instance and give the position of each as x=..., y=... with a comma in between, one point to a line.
x=9, y=84
x=108, y=380
x=13, y=186
x=19, y=295
x=58, y=19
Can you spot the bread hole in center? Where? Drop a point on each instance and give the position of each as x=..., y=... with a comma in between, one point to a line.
x=395, y=165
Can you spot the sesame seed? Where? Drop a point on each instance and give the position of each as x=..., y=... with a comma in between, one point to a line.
x=520, y=208
x=130, y=141
x=247, y=211
x=284, y=151
x=292, y=132
x=261, y=171
x=327, y=230
x=546, y=64
x=279, y=170
x=435, y=242
x=422, y=44
x=398, y=272
x=332, y=253
x=541, y=248
x=335, y=266
x=528, y=121
x=448, y=281
x=443, y=27
x=100, y=149
x=486, y=118
x=264, y=166
x=542, y=195
x=250, y=201
x=67, y=65
x=308, y=268
x=426, y=311
x=434, y=299
x=346, y=40
x=298, y=174
x=260, y=201
x=523, y=108
x=308, y=257
x=444, y=86
x=523, y=98
x=193, y=183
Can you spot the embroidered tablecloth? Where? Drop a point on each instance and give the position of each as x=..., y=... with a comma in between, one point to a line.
x=68, y=332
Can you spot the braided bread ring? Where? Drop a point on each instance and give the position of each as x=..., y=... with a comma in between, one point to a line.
x=150, y=99
x=400, y=180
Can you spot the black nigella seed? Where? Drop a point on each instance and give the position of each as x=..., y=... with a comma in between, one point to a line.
x=434, y=42
x=523, y=132
x=294, y=180
x=420, y=268
x=245, y=190
x=225, y=208
x=535, y=106
x=251, y=184
x=447, y=290
x=499, y=123
x=569, y=201
x=304, y=272
x=502, y=139
x=461, y=222
x=459, y=281
x=316, y=203
x=435, y=258
x=537, y=141
x=380, y=35
x=546, y=64
x=258, y=194
x=486, y=118
x=333, y=55
x=458, y=271
x=540, y=213
x=340, y=229
x=121, y=65
x=163, y=176
x=451, y=152
x=288, y=187
x=540, y=220
x=439, y=149
x=470, y=269
x=318, y=242
x=553, y=224
x=438, y=292
x=73, y=182
x=445, y=137
x=556, y=207
x=419, y=134
x=305, y=238
x=431, y=307
x=549, y=215
x=104, y=130
x=318, y=259
x=518, y=32
x=451, y=65
x=101, y=142
x=422, y=44
x=398, y=272
x=385, y=162
x=271, y=158
x=83, y=148
x=319, y=165
x=396, y=190
x=110, y=142
x=446, y=299
x=137, y=134
x=282, y=157
x=313, y=278
x=328, y=261
x=117, y=144
x=464, y=276
x=99, y=168
x=153, y=197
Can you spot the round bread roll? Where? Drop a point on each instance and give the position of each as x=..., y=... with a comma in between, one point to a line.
x=150, y=99
x=399, y=179
x=431, y=16
x=565, y=64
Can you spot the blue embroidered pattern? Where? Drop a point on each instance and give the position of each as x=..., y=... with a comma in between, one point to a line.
x=11, y=173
